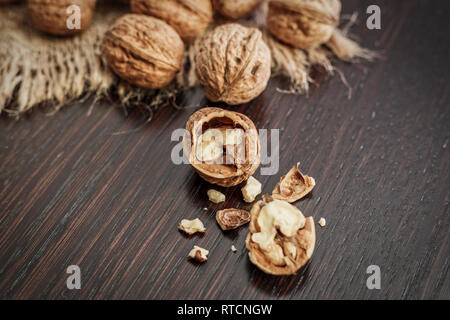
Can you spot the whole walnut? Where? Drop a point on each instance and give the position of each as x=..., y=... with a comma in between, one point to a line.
x=303, y=23
x=143, y=50
x=188, y=17
x=235, y=9
x=53, y=16
x=233, y=64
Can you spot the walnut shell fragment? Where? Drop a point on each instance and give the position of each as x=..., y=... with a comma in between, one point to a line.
x=143, y=50
x=293, y=186
x=303, y=23
x=232, y=218
x=234, y=160
x=188, y=17
x=235, y=9
x=233, y=64
x=281, y=240
x=51, y=16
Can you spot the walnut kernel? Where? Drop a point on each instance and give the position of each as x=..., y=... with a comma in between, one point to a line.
x=191, y=226
x=143, y=50
x=198, y=254
x=251, y=189
x=215, y=196
x=233, y=64
x=322, y=222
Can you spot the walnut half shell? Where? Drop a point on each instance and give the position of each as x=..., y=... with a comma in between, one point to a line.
x=293, y=186
x=281, y=240
x=232, y=161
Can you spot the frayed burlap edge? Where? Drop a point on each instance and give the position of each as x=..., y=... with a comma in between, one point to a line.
x=37, y=69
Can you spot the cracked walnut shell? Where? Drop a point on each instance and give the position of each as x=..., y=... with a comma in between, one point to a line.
x=51, y=16
x=235, y=9
x=234, y=160
x=293, y=186
x=281, y=240
x=143, y=50
x=233, y=64
x=303, y=23
x=232, y=218
x=188, y=17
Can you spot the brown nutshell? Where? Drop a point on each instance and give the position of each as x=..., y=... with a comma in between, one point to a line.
x=188, y=17
x=143, y=50
x=232, y=218
x=51, y=16
x=233, y=64
x=303, y=23
x=236, y=163
x=235, y=9
x=293, y=186
x=296, y=250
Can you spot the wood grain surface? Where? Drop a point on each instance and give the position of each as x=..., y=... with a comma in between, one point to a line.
x=100, y=191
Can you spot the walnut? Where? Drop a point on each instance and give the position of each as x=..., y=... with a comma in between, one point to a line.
x=237, y=158
x=191, y=226
x=281, y=240
x=215, y=196
x=303, y=23
x=293, y=186
x=198, y=254
x=51, y=15
x=143, y=50
x=251, y=189
x=235, y=9
x=232, y=218
x=233, y=64
x=188, y=17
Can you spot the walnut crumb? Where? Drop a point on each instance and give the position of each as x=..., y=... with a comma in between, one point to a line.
x=191, y=226
x=322, y=222
x=198, y=254
x=215, y=196
x=233, y=248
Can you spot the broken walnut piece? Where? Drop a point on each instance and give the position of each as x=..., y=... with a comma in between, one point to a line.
x=322, y=222
x=229, y=154
x=281, y=240
x=232, y=218
x=251, y=189
x=215, y=196
x=293, y=186
x=191, y=226
x=198, y=254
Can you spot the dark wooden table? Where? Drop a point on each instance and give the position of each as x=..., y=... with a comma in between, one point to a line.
x=100, y=191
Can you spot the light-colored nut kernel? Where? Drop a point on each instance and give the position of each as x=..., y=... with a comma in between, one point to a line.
x=251, y=189
x=228, y=136
x=233, y=248
x=281, y=240
x=232, y=218
x=51, y=16
x=191, y=226
x=293, y=186
x=303, y=23
x=143, y=50
x=215, y=196
x=322, y=222
x=233, y=64
x=235, y=9
x=198, y=254
x=188, y=17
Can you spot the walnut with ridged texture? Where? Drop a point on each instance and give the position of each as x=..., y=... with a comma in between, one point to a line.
x=235, y=9
x=143, y=50
x=233, y=64
x=303, y=23
x=51, y=16
x=188, y=17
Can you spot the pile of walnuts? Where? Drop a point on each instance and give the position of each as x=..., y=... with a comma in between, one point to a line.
x=233, y=63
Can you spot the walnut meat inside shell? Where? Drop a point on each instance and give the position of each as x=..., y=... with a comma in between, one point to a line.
x=237, y=160
x=232, y=218
x=233, y=64
x=303, y=23
x=51, y=15
x=281, y=240
x=143, y=50
x=293, y=186
x=188, y=17
x=235, y=9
